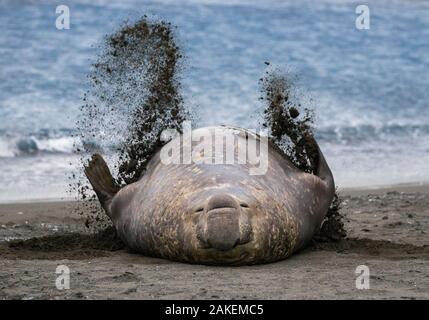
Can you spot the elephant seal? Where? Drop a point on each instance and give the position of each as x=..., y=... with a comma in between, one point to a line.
x=217, y=214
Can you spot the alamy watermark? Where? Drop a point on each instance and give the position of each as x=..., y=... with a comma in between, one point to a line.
x=63, y=19
x=362, y=21
x=62, y=281
x=217, y=146
x=362, y=280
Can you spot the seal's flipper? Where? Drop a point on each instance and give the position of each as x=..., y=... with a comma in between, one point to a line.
x=322, y=169
x=101, y=179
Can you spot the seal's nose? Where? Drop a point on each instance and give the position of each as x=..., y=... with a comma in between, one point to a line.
x=223, y=232
x=224, y=223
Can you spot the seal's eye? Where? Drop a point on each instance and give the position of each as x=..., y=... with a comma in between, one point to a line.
x=244, y=205
x=199, y=209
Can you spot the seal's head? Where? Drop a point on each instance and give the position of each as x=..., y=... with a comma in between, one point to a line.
x=223, y=216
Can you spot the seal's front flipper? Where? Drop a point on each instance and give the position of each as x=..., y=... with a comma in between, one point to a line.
x=101, y=179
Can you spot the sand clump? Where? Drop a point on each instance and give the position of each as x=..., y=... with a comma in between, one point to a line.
x=291, y=129
x=134, y=95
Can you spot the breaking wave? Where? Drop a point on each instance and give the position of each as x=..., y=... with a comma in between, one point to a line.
x=361, y=135
x=25, y=146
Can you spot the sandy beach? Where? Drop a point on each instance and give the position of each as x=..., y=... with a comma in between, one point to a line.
x=338, y=89
x=387, y=231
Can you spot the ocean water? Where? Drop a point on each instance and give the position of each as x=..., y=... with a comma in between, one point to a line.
x=369, y=88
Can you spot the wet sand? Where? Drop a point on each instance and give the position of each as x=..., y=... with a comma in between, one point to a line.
x=387, y=231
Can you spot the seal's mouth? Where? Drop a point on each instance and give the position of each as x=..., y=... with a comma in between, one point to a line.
x=221, y=210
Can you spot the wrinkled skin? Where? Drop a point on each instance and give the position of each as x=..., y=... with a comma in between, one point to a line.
x=220, y=214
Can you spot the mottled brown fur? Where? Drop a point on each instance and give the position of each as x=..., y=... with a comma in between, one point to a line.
x=156, y=215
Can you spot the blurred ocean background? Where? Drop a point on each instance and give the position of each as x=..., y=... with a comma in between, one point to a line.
x=369, y=88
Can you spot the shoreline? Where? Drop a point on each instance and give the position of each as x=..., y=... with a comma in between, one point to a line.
x=421, y=187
